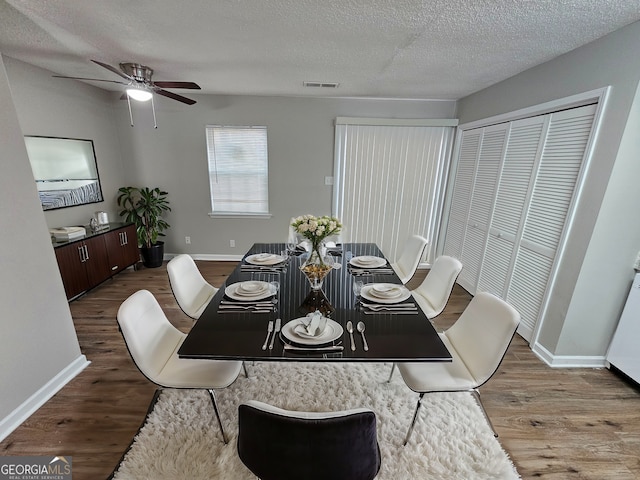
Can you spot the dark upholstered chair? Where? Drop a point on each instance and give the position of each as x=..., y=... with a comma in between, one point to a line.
x=277, y=444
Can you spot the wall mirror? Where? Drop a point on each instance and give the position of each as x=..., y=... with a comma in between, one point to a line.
x=65, y=171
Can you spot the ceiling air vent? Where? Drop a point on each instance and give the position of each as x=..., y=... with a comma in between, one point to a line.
x=321, y=84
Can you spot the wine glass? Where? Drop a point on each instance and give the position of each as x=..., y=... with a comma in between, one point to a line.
x=357, y=288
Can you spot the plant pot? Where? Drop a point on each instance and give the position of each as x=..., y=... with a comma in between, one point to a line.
x=152, y=257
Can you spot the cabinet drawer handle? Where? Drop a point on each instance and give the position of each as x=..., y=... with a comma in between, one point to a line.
x=86, y=252
x=114, y=268
x=81, y=253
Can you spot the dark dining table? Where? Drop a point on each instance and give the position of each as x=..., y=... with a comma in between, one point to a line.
x=391, y=336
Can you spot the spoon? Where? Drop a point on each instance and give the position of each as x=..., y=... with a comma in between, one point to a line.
x=350, y=330
x=360, y=327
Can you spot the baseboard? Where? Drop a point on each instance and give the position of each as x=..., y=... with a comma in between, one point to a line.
x=208, y=256
x=39, y=398
x=568, y=361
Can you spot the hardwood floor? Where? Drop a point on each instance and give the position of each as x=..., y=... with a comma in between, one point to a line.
x=554, y=423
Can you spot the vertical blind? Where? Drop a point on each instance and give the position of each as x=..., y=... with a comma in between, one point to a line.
x=390, y=182
x=238, y=169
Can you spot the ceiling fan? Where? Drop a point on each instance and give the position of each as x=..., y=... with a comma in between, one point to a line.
x=140, y=86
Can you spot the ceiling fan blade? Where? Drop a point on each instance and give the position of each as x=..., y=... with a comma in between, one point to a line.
x=191, y=85
x=174, y=96
x=92, y=79
x=112, y=69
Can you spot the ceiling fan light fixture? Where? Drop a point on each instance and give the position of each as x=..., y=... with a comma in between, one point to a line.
x=139, y=94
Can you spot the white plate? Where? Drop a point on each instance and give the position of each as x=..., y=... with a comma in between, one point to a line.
x=367, y=293
x=332, y=331
x=243, y=290
x=264, y=259
x=366, y=261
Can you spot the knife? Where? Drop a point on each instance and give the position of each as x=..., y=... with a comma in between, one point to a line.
x=275, y=332
x=269, y=330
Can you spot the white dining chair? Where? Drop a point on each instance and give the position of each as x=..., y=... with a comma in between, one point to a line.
x=153, y=343
x=477, y=342
x=433, y=293
x=192, y=292
x=278, y=444
x=407, y=264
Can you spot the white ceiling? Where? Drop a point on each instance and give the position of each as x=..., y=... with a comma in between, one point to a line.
x=430, y=49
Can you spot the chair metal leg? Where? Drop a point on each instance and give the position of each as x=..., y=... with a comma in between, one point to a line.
x=413, y=422
x=476, y=395
x=215, y=408
x=244, y=366
x=393, y=367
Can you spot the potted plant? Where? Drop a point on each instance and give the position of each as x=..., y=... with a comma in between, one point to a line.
x=144, y=207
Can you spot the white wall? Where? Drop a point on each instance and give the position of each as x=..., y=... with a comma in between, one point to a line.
x=301, y=147
x=597, y=269
x=39, y=350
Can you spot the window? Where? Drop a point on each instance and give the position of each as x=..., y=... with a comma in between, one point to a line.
x=238, y=170
x=390, y=178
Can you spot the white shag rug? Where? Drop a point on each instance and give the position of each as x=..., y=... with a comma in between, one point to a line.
x=451, y=440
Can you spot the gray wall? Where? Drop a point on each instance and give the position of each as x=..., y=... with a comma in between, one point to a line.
x=37, y=340
x=301, y=148
x=597, y=270
x=58, y=107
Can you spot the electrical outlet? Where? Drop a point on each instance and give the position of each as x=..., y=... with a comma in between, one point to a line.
x=232, y=243
x=328, y=180
x=187, y=240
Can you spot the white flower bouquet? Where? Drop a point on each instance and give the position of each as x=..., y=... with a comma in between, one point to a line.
x=316, y=229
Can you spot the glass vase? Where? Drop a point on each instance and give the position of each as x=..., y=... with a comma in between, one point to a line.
x=316, y=267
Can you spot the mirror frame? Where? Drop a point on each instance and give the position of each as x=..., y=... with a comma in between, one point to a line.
x=65, y=196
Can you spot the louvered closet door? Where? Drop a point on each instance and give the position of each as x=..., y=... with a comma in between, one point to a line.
x=492, y=148
x=524, y=149
x=462, y=188
x=545, y=224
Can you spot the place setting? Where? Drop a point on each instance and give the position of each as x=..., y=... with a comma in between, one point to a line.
x=384, y=298
x=313, y=333
x=266, y=262
x=369, y=265
x=252, y=296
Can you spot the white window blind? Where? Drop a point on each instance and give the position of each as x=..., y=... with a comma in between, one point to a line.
x=390, y=182
x=238, y=170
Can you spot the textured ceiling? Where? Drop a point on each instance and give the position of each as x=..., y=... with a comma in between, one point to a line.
x=430, y=49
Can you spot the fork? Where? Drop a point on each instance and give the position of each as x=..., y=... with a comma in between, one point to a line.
x=397, y=306
x=246, y=307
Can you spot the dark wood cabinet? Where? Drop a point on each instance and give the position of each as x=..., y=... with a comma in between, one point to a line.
x=122, y=248
x=88, y=262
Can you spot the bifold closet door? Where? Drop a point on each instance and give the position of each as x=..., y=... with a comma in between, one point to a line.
x=557, y=177
x=513, y=190
x=462, y=188
x=477, y=190
x=523, y=152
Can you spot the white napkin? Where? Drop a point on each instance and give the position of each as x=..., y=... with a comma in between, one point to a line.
x=264, y=257
x=366, y=259
x=314, y=324
x=386, y=291
x=250, y=288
